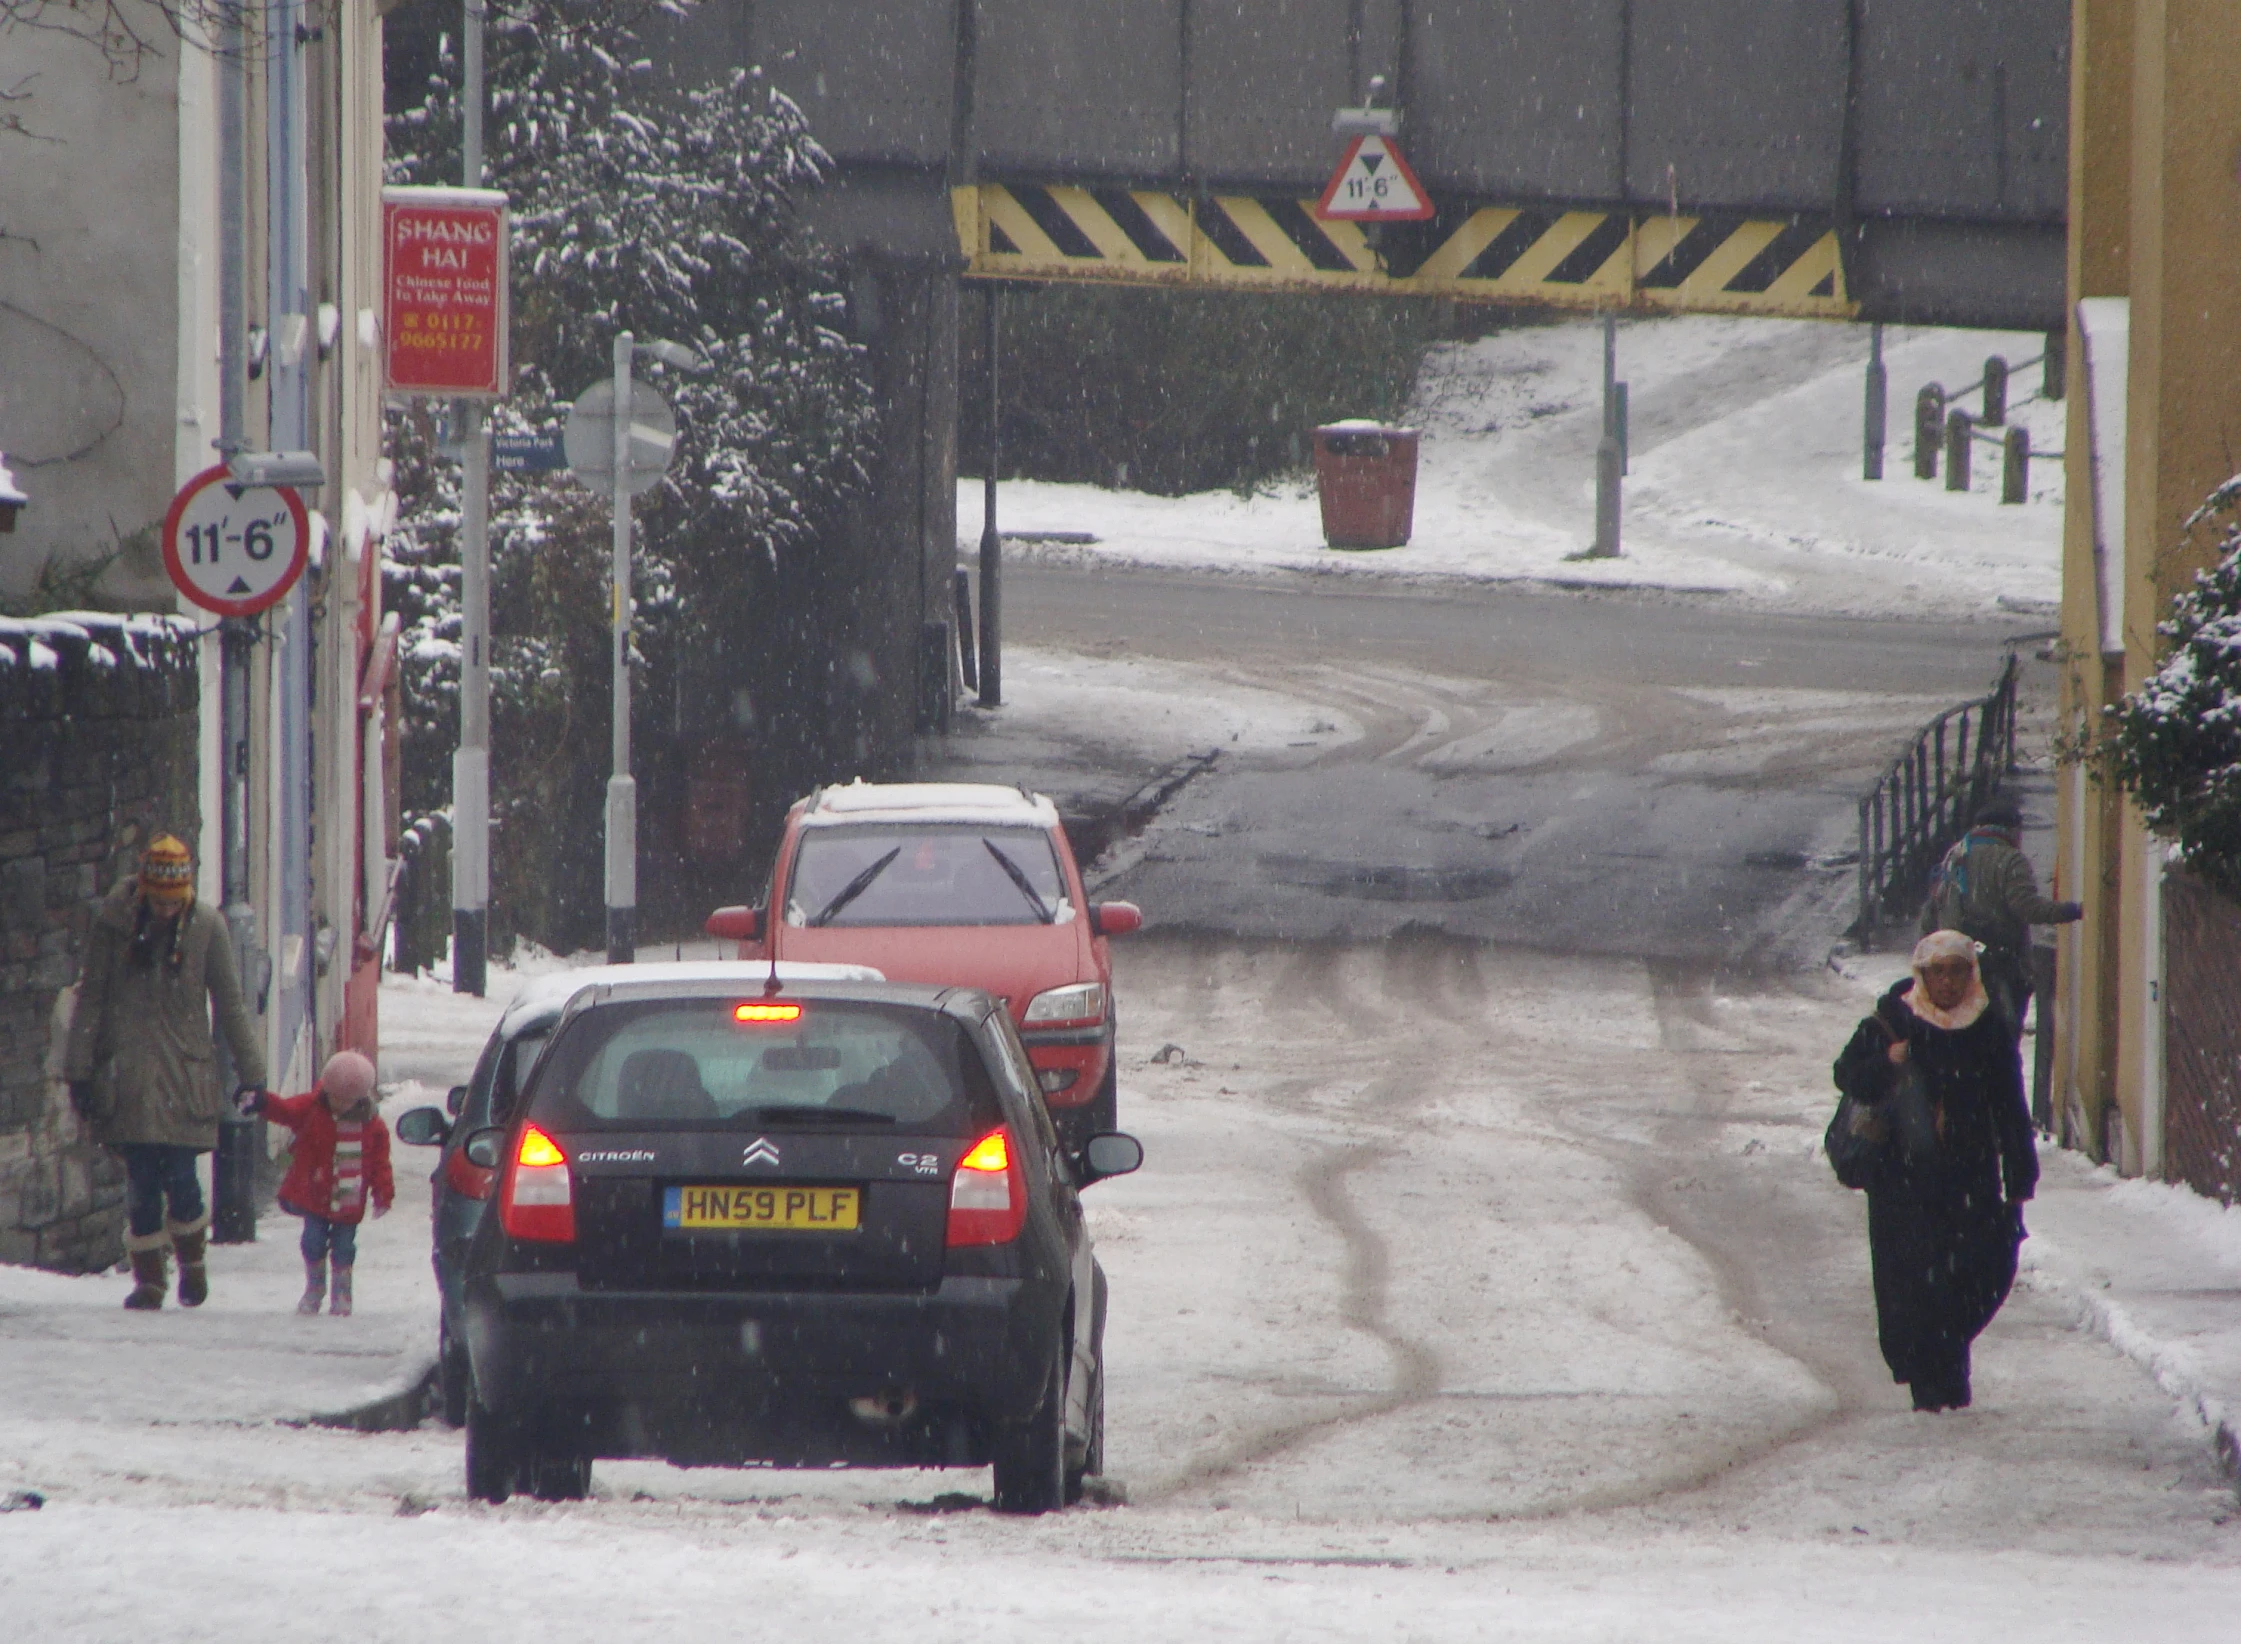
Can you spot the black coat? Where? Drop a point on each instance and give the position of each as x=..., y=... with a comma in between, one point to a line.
x=1942, y=1228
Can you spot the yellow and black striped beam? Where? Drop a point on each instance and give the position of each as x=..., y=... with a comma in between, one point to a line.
x=1668, y=262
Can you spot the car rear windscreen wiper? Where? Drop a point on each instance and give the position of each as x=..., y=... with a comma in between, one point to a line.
x=854, y=888
x=789, y=1113
x=1043, y=910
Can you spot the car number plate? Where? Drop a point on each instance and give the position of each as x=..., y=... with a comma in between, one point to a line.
x=789, y=1209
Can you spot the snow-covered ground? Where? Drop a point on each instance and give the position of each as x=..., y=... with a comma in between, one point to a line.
x=1417, y=1335
x=1745, y=455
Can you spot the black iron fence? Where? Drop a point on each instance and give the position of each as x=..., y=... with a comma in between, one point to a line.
x=1929, y=798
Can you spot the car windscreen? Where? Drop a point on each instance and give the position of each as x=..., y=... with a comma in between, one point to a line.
x=926, y=874
x=761, y=1064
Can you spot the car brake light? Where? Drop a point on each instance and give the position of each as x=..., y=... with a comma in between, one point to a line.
x=766, y=1013
x=535, y=1202
x=988, y=1193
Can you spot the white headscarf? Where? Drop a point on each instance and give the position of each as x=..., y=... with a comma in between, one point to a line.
x=1947, y=945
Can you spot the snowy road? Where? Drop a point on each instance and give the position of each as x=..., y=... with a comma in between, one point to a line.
x=1467, y=1294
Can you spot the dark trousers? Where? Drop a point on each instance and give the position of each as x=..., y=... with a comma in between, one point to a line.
x=320, y=1236
x=156, y=1172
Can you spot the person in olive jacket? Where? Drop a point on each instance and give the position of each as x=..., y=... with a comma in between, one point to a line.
x=142, y=1058
x=1945, y=1201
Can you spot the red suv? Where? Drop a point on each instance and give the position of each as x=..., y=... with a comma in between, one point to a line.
x=963, y=884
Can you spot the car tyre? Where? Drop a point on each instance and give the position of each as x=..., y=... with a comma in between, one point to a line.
x=1031, y=1457
x=493, y=1453
x=1103, y=1113
x=451, y=1378
x=558, y=1473
x=1093, y=1452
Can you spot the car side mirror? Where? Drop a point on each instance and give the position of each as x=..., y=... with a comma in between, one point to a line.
x=1115, y=918
x=455, y=1099
x=1111, y=1154
x=734, y=924
x=423, y=1127
x=482, y=1147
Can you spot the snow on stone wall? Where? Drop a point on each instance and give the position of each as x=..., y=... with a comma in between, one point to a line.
x=97, y=751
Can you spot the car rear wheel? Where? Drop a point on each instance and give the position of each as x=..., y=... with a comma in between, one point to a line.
x=451, y=1378
x=493, y=1453
x=558, y=1473
x=1031, y=1458
x=1093, y=1453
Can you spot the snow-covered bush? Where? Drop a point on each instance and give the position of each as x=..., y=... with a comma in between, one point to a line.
x=2175, y=743
x=670, y=214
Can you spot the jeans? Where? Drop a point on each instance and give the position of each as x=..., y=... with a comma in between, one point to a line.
x=154, y=1172
x=320, y=1236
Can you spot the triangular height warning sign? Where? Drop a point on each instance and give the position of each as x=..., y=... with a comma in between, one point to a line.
x=1373, y=184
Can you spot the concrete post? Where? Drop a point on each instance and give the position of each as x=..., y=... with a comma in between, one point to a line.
x=1877, y=418
x=2054, y=371
x=2015, y=465
x=1959, y=436
x=1995, y=391
x=1929, y=429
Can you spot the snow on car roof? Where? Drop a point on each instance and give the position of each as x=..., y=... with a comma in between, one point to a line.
x=546, y=994
x=982, y=802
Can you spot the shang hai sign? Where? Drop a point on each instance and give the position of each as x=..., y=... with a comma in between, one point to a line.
x=443, y=321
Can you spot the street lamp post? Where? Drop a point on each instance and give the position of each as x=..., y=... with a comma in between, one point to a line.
x=622, y=787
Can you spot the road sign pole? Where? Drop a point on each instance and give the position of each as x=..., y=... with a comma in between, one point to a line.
x=470, y=766
x=1609, y=457
x=622, y=790
x=991, y=544
x=1878, y=400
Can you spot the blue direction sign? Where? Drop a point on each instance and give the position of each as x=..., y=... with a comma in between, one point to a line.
x=527, y=453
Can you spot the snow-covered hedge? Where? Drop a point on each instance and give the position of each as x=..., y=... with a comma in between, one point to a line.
x=2175, y=743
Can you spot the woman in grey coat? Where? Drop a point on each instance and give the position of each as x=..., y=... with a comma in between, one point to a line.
x=142, y=1060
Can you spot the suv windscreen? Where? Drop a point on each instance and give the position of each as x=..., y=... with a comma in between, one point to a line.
x=937, y=874
x=717, y=1064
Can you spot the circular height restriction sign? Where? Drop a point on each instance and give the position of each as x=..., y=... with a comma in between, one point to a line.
x=233, y=548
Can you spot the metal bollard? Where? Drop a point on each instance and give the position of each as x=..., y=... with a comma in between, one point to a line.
x=2055, y=372
x=1995, y=391
x=1607, y=497
x=2015, y=465
x=1618, y=418
x=1929, y=428
x=1959, y=436
x=1878, y=419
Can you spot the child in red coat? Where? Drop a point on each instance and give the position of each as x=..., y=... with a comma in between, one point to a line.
x=341, y=1164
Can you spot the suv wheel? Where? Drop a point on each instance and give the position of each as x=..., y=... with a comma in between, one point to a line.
x=1031, y=1457
x=493, y=1453
x=556, y=1473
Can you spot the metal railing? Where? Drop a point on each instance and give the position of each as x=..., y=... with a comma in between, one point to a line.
x=1929, y=798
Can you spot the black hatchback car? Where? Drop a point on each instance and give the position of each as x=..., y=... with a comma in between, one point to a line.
x=824, y=1224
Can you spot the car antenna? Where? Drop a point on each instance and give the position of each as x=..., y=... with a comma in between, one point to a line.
x=770, y=983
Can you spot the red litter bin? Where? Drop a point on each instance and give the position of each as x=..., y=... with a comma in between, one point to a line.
x=1365, y=474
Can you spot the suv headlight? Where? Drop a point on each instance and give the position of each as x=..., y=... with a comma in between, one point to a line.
x=1081, y=1002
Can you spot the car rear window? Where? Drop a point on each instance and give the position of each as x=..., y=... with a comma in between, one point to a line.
x=935, y=874
x=694, y=1065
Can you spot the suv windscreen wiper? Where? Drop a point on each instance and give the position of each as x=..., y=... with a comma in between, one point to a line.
x=1012, y=871
x=854, y=888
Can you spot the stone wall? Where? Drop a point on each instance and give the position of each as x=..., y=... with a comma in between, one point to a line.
x=97, y=753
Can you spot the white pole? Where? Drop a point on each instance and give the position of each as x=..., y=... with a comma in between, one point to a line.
x=622, y=790
x=470, y=766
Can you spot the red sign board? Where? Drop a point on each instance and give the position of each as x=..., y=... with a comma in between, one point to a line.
x=444, y=311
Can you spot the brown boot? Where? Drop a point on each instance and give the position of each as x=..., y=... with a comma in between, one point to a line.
x=340, y=1305
x=191, y=1240
x=314, y=1286
x=148, y=1271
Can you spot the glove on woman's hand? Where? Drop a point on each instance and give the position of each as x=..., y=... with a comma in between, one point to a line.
x=247, y=1100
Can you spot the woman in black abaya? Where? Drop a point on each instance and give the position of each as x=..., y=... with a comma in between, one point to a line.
x=1945, y=1202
